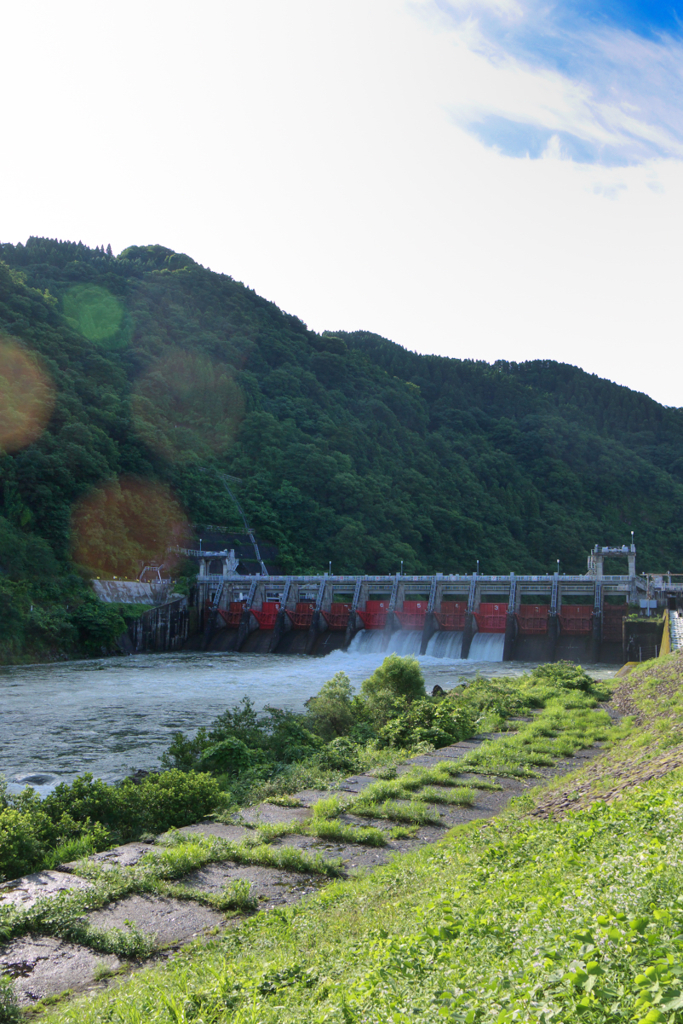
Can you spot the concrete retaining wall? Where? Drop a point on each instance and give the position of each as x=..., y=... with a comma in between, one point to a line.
x=132, y=591
x=164, y=628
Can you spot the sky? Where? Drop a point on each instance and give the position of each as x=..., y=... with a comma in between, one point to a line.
x=485, y=179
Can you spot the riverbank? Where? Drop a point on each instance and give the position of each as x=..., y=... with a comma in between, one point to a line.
x=247, y=756
x=111, y=716
x=384, y=816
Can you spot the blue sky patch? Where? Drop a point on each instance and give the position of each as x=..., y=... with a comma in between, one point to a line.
x=646, y=18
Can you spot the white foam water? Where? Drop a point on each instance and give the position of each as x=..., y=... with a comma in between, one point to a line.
x=371, y=641
x=445, y=644
x=367, y=641
x=487, y=647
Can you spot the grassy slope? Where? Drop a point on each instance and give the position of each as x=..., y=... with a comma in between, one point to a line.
x=530, y=918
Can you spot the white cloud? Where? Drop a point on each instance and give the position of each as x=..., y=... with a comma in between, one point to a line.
x=608, y=87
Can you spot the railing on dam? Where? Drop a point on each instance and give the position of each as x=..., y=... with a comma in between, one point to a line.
x=349, y=581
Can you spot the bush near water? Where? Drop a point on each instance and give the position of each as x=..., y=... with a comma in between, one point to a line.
x=246, y=756
x=90, y=815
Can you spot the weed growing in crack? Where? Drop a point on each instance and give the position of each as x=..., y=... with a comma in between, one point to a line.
x=129, y=943
x=236, y=895
x=402, y=832
x=459, y=796
x=416, y=811
x=329, y=807
x=271, y=831
x=337, y=832
x=102, y=972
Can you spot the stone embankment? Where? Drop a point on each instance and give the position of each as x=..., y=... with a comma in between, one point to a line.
x=46, y=965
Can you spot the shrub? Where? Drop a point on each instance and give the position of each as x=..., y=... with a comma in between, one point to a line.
x=399, y=677
x=172, y=798
x=287, y=736
x=229, y=756
x=274, y=736
x=22, y=842
x=99, y=625
x=88, y=814
x=185, y=753
x=331, y=710
x=341, y=755
x=9, y=1007
x=564, y=674
x=431, y=720
x=243, y=722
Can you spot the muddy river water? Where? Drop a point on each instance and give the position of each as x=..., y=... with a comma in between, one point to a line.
x=114, y=715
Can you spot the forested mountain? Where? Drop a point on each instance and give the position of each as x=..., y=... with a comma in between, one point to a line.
x=131, y=383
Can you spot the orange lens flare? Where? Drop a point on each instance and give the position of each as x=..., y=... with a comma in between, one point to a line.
x=188, y=407
x=26, y=397
x=127, y=524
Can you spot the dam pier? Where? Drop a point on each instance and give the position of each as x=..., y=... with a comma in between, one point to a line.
x=471, y=617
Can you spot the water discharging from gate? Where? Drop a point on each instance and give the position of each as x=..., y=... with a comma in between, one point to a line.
x=444, y=644
x=487, y=647
x=371, y=641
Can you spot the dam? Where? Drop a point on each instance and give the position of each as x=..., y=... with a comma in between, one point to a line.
x=470, y=617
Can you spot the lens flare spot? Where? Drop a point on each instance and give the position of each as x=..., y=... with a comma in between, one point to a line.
x=94, y=311
x=188, y=407
x=26, y=396
x=125, y=525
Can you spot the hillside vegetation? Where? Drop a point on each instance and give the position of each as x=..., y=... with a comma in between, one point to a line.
x=130, y=383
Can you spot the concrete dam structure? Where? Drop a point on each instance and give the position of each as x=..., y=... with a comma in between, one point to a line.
x=475, y=617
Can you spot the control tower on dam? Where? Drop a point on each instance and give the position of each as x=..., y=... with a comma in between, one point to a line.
x=474, y=617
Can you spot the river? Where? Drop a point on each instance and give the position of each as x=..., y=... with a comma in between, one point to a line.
x=111, y=716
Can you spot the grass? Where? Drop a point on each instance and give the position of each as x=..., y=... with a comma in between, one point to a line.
x=337, y=832
x=417, y=812
x=459, y=796
x=447, y=773
x=236, y=896
x=309, y=774
x=402, y=832
x=329, y=807
x=271, y=831
x=501, y=921
x=73, y=849
x=558, y=732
